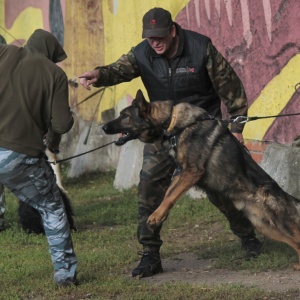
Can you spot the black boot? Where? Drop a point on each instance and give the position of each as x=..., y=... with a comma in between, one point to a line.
x=149, y=265
x=252, y=246
x=68, y=281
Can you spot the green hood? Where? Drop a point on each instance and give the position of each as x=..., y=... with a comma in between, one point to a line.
x=45, y=43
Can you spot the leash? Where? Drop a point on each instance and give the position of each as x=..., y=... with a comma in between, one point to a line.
x=75, y=84
x=54, y=162
x=244, y=119
x=11, y=35
x=173, y=143
x=93, y=118
x=89, y=97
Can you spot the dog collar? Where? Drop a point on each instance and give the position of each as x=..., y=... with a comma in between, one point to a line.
x=173, y=119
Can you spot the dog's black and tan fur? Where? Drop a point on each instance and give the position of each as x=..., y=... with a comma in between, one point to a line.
x=31, y=220
x=211, y=158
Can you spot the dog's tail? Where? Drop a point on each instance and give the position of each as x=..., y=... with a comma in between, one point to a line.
x=31, y=221
x=56, y=168
x=69, y=209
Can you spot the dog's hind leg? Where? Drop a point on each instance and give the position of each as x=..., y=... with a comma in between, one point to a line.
x=180, y=184
x=297, y=266
x=296, y=247
x=293, y=240
x=295, y=244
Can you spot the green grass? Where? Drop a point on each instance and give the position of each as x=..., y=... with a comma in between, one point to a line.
x=106, y=247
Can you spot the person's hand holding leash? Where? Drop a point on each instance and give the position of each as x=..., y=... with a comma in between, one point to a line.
x=88, y=78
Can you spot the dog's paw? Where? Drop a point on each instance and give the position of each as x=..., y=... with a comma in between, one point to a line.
x=297, y=267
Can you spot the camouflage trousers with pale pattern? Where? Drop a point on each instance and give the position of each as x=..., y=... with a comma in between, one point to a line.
x=2, y=207
x=31, y=179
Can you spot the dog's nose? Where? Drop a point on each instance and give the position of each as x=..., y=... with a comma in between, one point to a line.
x=104, y=127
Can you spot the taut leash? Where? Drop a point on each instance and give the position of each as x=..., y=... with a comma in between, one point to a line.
x=237, y=119
x=54, y=162
x=244, y=119
x=89, y=97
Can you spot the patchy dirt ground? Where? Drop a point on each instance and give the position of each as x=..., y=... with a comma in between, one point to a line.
x=187, y=268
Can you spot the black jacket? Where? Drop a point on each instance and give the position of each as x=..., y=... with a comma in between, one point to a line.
x=182, y=79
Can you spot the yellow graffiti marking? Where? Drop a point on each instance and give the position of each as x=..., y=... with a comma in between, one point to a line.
x=26, y=22
x=273, y=99
x=123, y=30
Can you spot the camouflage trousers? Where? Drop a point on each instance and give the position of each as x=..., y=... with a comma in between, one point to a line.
x=31, y=179
x=2, y=207
x=155, y=177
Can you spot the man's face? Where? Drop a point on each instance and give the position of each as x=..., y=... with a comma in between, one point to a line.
x=162, y=45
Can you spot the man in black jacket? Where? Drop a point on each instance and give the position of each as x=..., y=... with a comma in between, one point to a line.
x=183, y=66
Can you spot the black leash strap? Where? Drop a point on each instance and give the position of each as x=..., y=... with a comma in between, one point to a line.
x=65, y=159
x=244, y=119
x=237, y=119
x=89, y=97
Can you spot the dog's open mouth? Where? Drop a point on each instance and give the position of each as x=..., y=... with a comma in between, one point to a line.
x=126, y=136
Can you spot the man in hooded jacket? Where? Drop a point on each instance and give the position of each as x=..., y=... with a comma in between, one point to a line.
x=34, y=98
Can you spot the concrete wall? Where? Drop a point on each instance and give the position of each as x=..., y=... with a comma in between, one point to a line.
x=259, y=38
x=282, y=162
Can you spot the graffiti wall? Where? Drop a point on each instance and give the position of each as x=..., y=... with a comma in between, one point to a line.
x=260, y=39
x=18, y=19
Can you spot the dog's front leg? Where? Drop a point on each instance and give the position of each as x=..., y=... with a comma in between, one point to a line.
x=180, y=184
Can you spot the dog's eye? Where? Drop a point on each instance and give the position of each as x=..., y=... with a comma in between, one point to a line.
x=124, y=116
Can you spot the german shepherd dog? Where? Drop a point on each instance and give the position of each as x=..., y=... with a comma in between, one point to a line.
x=210, y=157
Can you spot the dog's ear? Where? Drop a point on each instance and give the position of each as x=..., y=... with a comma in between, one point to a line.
x=141, y=103
x=140, y=97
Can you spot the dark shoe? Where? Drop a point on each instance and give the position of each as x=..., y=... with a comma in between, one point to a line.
x=149, y=265
x=68, y=282
x=252, y=247
x=2, y=224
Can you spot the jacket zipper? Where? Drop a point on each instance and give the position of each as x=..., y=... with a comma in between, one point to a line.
x=170, y=82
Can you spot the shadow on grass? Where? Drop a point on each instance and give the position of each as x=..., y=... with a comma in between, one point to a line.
x=274, y=256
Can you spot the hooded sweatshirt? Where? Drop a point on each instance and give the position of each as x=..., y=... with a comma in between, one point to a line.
x=33, y=93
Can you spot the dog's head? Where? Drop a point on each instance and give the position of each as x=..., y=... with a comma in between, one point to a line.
x=141, y=120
